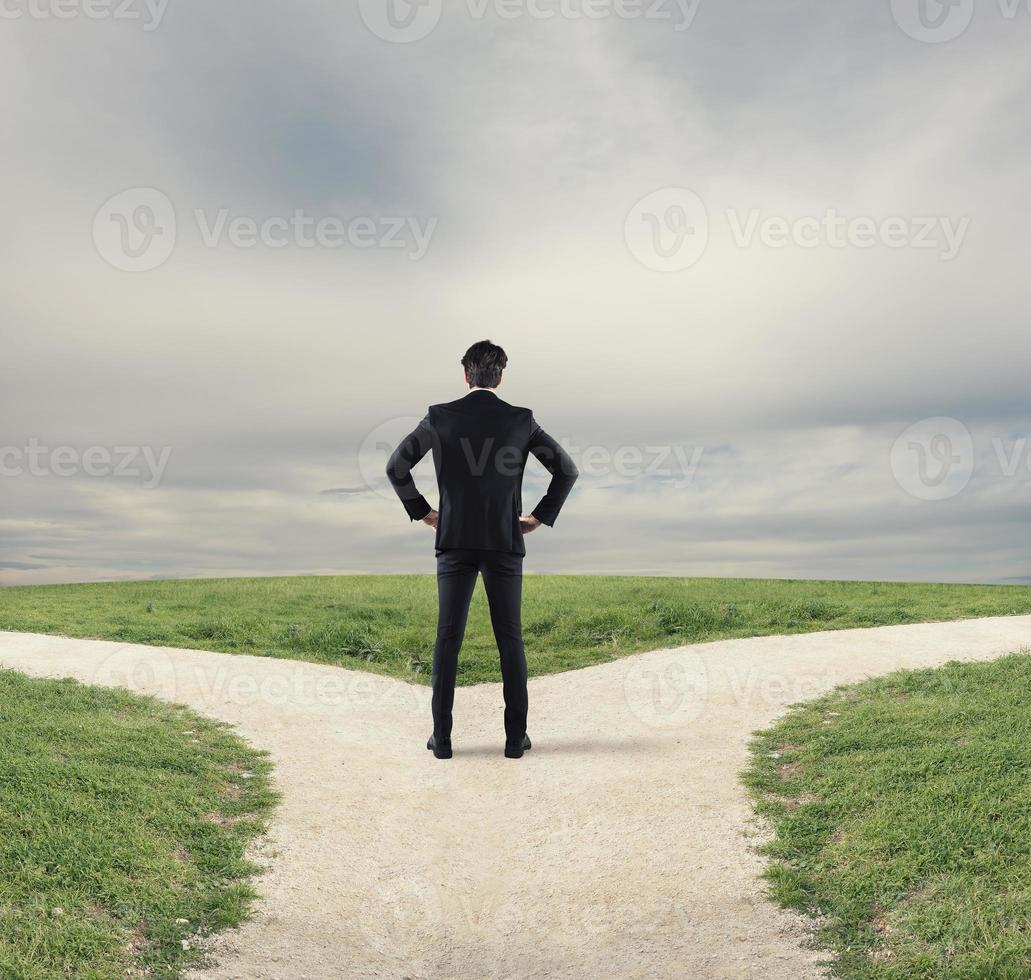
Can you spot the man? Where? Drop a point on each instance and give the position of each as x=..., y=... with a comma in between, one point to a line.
x=480, y=447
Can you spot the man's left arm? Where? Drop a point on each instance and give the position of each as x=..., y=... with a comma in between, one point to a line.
x=412, y=448
x=563, y=475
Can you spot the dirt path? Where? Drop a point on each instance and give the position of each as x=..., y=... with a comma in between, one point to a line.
x=618, y=847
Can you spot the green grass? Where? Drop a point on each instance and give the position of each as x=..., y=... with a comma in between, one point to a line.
x=902, y=815
x=123, y=826
x=387, y=623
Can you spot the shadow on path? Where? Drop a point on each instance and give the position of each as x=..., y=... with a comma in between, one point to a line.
x=565, y=746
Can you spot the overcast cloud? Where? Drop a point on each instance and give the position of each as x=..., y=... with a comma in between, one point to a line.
x=841, y=208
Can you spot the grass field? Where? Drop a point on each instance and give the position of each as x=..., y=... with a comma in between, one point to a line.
x=387, y=623
x=902, y=811
x=123, y=826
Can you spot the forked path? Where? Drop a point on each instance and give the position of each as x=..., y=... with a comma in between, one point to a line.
x=618, y=847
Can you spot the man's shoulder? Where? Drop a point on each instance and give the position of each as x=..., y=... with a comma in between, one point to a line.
x=517, y=409
x=445, y=406
x=463, y=405
x=510, y=408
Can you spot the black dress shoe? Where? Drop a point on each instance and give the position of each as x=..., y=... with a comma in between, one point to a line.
x=441, y=749
x=515, y=751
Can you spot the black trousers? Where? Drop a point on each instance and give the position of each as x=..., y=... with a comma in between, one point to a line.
x=502, y=572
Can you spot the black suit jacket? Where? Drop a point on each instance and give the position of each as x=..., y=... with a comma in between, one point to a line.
x=480, y=446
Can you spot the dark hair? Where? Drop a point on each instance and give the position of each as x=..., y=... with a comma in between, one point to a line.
x=483, y=363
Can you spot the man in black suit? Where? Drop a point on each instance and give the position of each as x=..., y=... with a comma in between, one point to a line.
x=480, y=446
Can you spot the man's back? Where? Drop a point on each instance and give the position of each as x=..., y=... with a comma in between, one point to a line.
x=480, y=445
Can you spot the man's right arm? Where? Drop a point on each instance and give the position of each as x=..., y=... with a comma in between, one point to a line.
x=399, y=469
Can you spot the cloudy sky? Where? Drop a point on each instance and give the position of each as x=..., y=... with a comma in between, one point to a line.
x=762, y=267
